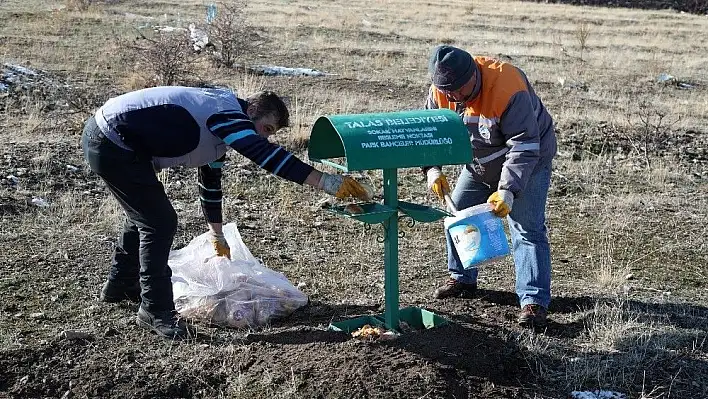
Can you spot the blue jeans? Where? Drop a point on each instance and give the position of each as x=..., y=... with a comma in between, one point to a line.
x=529, y=236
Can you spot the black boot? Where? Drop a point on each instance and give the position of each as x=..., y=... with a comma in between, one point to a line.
x=115, y=291
x=166, y=324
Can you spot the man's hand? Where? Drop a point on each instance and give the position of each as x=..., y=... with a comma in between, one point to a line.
x=342, y=187
x=502, y=201
x=437, y=182
x=220, y=245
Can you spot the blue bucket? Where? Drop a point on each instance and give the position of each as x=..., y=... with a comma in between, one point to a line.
x=478, y=236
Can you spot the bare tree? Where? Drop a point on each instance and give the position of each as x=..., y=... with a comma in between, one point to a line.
x=165, y=59
x=230, y=33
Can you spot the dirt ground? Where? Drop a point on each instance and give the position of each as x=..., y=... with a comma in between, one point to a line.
x=627, y=215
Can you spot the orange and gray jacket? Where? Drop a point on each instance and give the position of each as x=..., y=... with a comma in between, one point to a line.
x=510, y=130
x=194, y=127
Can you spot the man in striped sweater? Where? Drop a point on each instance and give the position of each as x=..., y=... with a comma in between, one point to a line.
x=133, y=135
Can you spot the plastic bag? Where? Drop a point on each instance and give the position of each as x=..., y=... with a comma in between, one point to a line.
x=238, y=292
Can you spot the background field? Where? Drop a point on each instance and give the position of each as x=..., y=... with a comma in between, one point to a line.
x=628, y=208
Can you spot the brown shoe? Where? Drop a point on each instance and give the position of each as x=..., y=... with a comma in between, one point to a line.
x=533, y=316
x=453, y=288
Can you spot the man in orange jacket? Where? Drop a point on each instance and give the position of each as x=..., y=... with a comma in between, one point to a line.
x=513, y=141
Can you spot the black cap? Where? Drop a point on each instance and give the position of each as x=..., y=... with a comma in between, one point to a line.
x=450, y=67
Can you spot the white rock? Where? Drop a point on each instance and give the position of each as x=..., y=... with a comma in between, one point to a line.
x=40, y=202
x=601, y=394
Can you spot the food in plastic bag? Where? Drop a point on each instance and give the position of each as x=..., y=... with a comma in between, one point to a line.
x=239, y=292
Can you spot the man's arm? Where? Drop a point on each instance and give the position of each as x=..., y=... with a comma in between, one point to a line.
x=239, y=133
x=210, y=195
x=436, y=180
x=520, y=128
x=237, y=130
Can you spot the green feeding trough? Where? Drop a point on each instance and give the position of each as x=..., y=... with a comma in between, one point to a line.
x=389, y=141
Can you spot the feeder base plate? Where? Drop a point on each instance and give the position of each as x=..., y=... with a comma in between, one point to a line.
x=410, y=318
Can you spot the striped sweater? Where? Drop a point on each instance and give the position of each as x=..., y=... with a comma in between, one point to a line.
x=194, y=127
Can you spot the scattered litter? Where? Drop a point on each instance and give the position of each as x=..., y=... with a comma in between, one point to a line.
x=301, y=285
x=629, y=276
x=269, y=70
x=665, y=77
x=199, y=37
x=597, y=395
x=211, y=13
x=572, y=85
x=672, y=80
x=72, y=168
x=370, y=333
x=12, y=179
x=37, y=315
x=167, y=29
x=130, y=15
x=73, y=334
x=40, y=202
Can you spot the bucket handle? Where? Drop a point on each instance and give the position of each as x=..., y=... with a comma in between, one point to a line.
x=450, y=203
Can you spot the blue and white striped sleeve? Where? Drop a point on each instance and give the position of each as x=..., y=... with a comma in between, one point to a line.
x=210, y=195
x=239, y=132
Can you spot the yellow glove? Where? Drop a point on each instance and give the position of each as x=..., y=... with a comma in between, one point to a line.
x=502, y=201
x=437, y=182
x=343, y=187
x=220, y=245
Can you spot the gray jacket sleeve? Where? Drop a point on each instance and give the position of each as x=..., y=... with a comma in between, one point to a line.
x=520, y=128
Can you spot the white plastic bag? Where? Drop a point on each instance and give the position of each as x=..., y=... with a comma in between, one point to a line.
x=240, y=292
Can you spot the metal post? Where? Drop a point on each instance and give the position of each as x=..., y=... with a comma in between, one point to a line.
x=390, y=178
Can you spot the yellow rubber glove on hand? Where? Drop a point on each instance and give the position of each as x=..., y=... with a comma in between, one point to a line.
x=502, y=201
x=220, y=245
x=343, y=187
x=437, y=182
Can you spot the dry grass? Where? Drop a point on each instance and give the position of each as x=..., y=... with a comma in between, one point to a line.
x=612, y=212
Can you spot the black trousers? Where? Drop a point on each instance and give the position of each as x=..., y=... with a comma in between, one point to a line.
x=151, y=221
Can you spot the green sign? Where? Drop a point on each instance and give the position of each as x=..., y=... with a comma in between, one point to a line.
x=391, y=140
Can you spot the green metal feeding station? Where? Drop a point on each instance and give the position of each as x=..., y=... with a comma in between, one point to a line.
x=389, y=141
